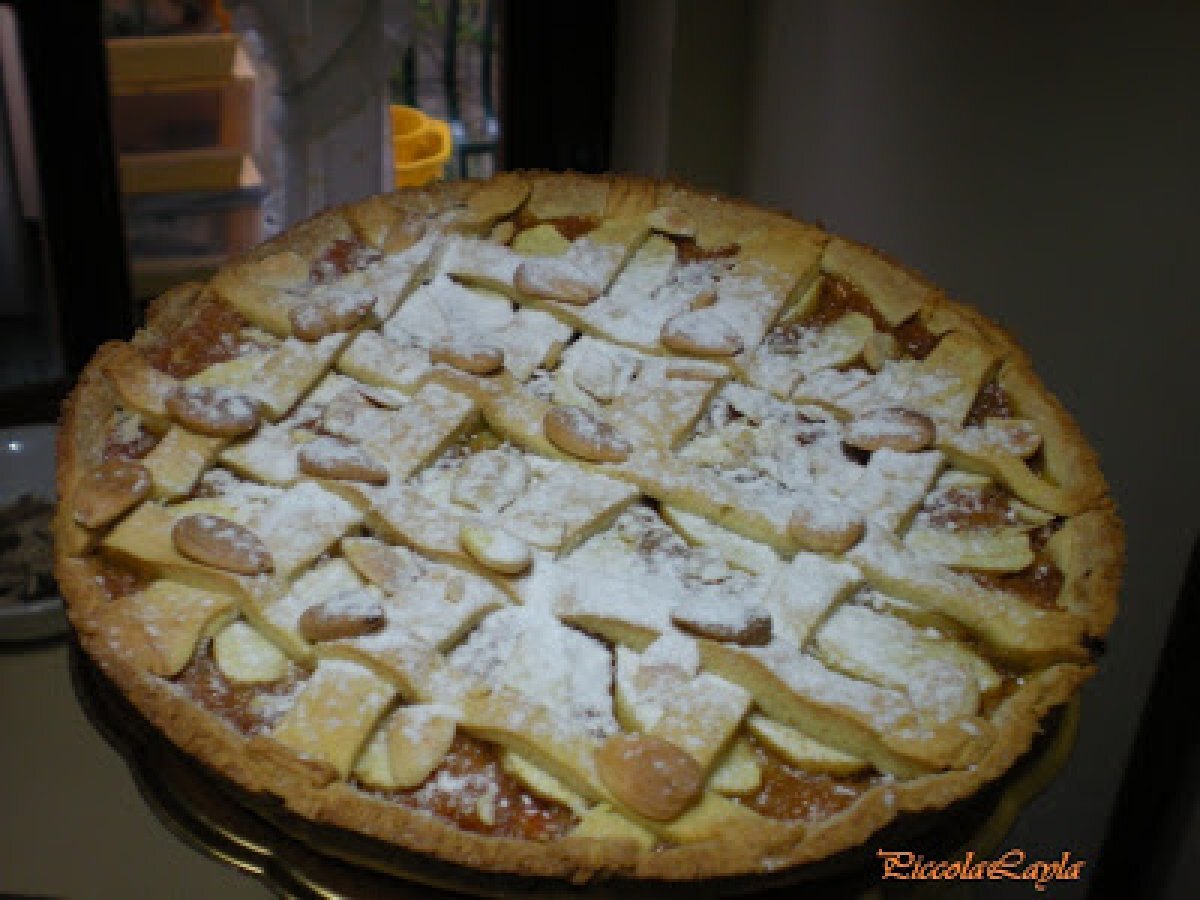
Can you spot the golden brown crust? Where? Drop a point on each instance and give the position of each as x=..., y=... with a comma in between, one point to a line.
x=1088, y=549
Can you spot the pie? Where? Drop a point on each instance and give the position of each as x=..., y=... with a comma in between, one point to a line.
x=583, y=526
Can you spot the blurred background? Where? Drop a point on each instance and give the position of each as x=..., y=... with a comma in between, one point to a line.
x=1037, y=160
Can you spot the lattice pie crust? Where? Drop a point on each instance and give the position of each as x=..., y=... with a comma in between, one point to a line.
x=576, y=526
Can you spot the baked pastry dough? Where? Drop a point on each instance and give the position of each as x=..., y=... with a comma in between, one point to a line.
x=577, y=526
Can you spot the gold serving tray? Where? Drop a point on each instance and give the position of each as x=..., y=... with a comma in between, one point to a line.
x=297, y=858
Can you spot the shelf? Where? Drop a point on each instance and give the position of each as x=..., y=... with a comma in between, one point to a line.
x=175, y=63
x=207, y=169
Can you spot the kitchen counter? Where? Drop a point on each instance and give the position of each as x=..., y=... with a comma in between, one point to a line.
x=74, y=824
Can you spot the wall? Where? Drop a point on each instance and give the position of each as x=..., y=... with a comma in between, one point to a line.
x=1041, y=162
x=682, y=91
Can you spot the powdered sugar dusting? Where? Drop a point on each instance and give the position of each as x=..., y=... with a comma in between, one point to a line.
x=604, y=562
x=527, y=650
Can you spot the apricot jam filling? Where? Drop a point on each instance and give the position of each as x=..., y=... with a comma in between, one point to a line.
x=688, y=251
x=992, y=402
x=969, y=508
x=250, y=708
x=1039, y=583
x=116, y=580
x=342, y=257
x=963, y=508
x=212, y=336
x=787, y=793
x=471, y=789
x=835, y=298
x=215, y=333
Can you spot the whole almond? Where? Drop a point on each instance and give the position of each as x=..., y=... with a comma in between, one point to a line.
x=110, y=490
x=213, y=411
x=474, y=356
x=244, y=656
x=595, y=373
x=349, y=614
x=826, y=526
x=384, y=398
x=580, y=433
x=489, y=480
x=329, y=457
x=554, y=279
x=495, y=548
x=701, y=332
x=893, y=427
x=315, y=318
x=651, y=776
x=341, y=413
x=379, y=564
x=753, y=630
x=221, y=543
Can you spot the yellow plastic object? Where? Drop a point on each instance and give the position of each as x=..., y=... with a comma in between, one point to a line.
x=421, y=146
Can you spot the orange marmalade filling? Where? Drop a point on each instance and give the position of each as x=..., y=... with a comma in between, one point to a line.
x=470, y=786
x=472, y=790
x=835, y=298
x=340, y=257
x=688, y=251
x=1040, y=583
x=788, y=793
x=118, y=581
x=969, y=509
x=570, y=227
x=213, y=335
x=992, y=402
x=249, y=708
x=914, y=338
x=963, y=508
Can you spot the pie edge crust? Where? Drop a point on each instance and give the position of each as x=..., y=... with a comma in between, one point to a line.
x=256, y=765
